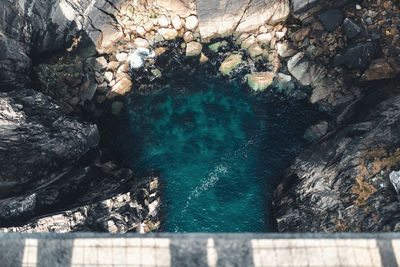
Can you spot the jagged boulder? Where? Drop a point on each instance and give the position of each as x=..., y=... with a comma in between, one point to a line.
x=342, y=183
x=37, y=139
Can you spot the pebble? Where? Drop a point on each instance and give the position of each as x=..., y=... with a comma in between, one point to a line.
x=141, y=43
x=188, y=37
x=163, y=21
x=108, y=75
x=176, y=22
x=121, y=57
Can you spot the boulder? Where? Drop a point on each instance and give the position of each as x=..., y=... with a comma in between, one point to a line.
x=316, y=131
x=176, y=22
x=342, y=183
x=255, y=50
x=351, y=29
x=220, y=18
x=122, y=87
x=168, y=34
x=379, y=69
x=299, y=66
x=357, y=56
x=37, y=139
x=331, y=19
x=141, y=43
x=191, y=23
x=193, y=49
x=230, y=63
x=260, y=81
x=299, y=6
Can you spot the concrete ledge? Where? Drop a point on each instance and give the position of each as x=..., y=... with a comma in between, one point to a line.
x=91, y=249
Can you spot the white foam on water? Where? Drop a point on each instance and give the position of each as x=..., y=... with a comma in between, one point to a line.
x=139, y=56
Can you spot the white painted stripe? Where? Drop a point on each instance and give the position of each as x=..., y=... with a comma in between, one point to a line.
x=29, y=258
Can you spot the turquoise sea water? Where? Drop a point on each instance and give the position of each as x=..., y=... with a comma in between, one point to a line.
x=219, y=148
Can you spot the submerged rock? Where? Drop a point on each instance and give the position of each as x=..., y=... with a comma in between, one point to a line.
x=230, y=63
x=351, y=29
x=379, y=69
x=331, y=19
x=260, y=80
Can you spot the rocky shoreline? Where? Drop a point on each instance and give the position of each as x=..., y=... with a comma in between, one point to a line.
x=88, y=55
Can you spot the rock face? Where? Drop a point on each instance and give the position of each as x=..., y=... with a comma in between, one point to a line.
x=36, y=138
x=342, y=183
x=220, y=18
x=357, y=56
x=260, y=81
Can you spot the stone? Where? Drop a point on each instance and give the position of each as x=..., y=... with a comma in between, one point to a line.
x=394, y=178
x=357, y=56
x=113, y=65
x=188, y=37
x=121, y=56
x=301, y=34
x=203, y=58
x=123, y=68
x=248, y=42
x=122, y=87
x=141, y=43
x=264, y=38
x=191, y=23
x=141, y=30
x=260, y=81
x=160, y=50
x=300, y=6
x=148, y=25
x=230, y=63
x=379, y=69
x=279, y=35
x=100, y=63
x=176, y=22
x=351, y=29
x=176, y=6
x=299, y=66
x=331, y=19
x=255, y=50
x=168, y=34
x=163, y=21
x=220, y=18
x=108, y=76
x=315, y=132
x=193, y=49
x=283, y=83
x=284, y=49
x=110, y=34
x=116, y=107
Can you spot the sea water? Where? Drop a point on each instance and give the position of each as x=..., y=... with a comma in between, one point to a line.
x=219, y=148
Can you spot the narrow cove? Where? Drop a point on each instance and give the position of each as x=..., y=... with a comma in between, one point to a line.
x=219, y=148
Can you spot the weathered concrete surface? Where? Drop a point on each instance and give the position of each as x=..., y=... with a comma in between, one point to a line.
x=75, y=250
x=219, y=18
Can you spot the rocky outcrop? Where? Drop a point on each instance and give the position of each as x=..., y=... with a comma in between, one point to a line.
x=36, y=138
x=221, y=18
x=342, y=183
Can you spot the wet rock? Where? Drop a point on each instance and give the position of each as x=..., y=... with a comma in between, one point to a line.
x=191, y=23
x=316, y=131
x=379, y=69
x=193, y=49
x=351, y=29
x=255, y=50
x=230, y=63
x=97, y=64
x=215, y=46
x=260, y=81
x=156, y=72
x=116, y=107
x=342, y=183
x=248, y=42
x=303, y=5
x=357, y=55
x=37, y=139
x=331, y=19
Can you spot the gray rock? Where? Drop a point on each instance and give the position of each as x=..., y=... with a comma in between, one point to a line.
x=331, y=19
x=357, y=55
x=299, y=6
x=316, y=131
x=351, y=29
x=36, y=138
x=342, y=183
x=394, y=177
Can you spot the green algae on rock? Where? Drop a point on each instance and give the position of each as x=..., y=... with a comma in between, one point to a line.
x=230, y=63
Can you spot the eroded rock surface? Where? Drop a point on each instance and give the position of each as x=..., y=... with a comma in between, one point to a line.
x=342, y=183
